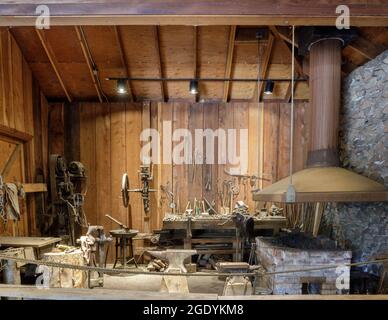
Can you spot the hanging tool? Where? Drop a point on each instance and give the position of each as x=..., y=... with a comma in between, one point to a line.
x=194, y=166
x=209, y=177
x=291, y=192
x=170, y=197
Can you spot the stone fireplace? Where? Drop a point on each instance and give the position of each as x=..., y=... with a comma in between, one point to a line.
x=299, y=252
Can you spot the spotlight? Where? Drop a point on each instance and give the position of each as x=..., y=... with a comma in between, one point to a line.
x=193, y=87
x=121, y=86
x=269, y=87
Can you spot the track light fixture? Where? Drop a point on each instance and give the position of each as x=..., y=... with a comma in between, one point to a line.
x=193, y=87
x=121, y=86
x=269, y=87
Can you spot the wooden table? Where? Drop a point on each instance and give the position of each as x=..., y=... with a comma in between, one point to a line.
x=39, y=244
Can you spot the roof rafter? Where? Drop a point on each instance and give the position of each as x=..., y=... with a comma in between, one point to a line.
x=195, y=58
x=263, y=68
x=53, y=61
x=123, y=61
x=92, y=68
x=160, y=63
x=229, y=61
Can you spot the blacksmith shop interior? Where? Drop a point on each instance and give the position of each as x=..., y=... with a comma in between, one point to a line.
x=158, y=151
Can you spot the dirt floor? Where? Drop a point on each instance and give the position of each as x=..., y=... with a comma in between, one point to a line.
x=199, y=284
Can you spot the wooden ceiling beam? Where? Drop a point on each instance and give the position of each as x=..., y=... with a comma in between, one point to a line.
x=282, y=33
x=92, y=68
x=123, y=61
x=53, y=61
x=160, y=63
x=178, y=20
x=220, y=12
x=229, y=62
x=263, y=68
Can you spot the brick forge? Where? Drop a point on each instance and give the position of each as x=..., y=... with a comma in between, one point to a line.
x=276, y=254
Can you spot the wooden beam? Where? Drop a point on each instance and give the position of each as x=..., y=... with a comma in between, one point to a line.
x=54, y=63
x=123, y=60
x=14, y=134
x=287, y=97
x=34, y=187
x=88, y=59
x=285, y=39
x=263, y=68
x=282, y=33
x=160, y=63
x=178, y=20
x=229, y=62
x=221, y=12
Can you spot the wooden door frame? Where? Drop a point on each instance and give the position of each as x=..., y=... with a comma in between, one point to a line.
x=24, y=141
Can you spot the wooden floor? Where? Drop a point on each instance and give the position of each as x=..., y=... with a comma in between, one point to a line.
x=32, y=292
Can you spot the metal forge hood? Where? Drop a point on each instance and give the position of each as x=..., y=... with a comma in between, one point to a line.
x=324, y=180
x=325, y=184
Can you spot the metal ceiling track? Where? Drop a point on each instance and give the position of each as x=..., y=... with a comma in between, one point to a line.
x=207, y=79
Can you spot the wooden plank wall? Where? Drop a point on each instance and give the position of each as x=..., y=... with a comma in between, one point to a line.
x=276, y=140
x=23, y=120
x=110, y=145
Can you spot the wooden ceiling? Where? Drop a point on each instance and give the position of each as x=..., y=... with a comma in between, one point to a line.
x=63, y=59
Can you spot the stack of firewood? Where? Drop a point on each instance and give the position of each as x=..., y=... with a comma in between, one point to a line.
x=157, y=265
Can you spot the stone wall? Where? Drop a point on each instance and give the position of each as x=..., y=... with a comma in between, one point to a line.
x=363, y=228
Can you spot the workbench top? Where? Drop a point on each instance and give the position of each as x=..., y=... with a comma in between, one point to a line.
x=180, y=222
x=34, y=242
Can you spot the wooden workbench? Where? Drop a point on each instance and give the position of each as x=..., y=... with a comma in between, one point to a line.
x=260, y=224
x=39, y=244
x=202, y=223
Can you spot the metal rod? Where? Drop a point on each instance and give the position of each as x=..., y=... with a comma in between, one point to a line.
x=292, y=105
x=206, y=79
x=211, y=274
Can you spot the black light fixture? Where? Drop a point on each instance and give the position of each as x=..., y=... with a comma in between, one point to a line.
x=193, y=87
x=121, y=86
x=269, y=87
